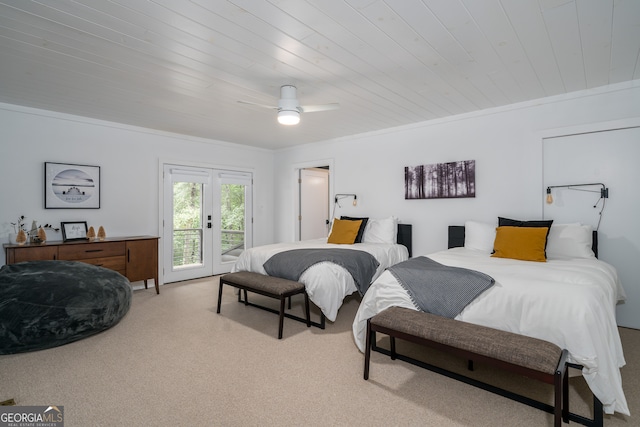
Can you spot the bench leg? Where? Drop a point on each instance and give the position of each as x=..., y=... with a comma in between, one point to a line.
x=307, y=312
x=565, y=396
x=392, y=341
x=367, y=349
x=219, y=296
x=281, y=323
x=558, y=394
x=598, y=417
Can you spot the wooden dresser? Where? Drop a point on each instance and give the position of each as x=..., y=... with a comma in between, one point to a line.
x=134, y=257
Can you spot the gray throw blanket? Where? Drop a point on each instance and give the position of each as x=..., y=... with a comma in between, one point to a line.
x=291, y=264
x=440, y=289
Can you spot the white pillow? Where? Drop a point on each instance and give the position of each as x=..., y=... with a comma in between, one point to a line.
x=381, y=230
x=566, y=241
x=479, y=236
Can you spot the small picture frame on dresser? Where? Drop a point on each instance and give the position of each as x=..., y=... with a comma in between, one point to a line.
x=76, y=230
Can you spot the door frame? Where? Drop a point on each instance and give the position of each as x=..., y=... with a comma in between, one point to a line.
x=604, y=126
x=309, y=182
x=190, y=163
x=295, y=173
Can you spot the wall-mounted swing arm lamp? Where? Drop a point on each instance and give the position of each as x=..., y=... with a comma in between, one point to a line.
x=338, y=197
x=604, y=191
x=336, y=200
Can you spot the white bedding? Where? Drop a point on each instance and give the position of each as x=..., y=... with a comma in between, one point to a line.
x=326, y=283
x=568, y=302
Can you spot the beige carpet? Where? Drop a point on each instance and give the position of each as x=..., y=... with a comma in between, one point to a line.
x=172, y=361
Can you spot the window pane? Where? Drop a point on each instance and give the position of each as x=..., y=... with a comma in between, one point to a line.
x=232, y=221
x=187, y=223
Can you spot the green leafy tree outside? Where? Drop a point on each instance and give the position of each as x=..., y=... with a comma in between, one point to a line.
x=187, y=201
x=232, y=215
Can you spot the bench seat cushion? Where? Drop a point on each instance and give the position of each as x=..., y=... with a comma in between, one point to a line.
x=509, y=347
x=260, y=282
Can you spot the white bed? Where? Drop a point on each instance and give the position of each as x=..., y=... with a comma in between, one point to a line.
x=326, y=283
x=567, y=301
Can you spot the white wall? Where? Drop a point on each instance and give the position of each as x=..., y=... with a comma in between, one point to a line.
x=128, y=158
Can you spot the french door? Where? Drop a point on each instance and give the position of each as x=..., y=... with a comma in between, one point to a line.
x=207, y=220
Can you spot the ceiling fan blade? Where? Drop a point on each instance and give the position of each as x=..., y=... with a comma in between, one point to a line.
x=271, y=107
x=316, y=108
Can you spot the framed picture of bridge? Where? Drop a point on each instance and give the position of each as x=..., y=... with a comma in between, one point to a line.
x=70, y=186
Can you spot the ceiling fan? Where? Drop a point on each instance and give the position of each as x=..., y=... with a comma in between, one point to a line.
x=289, y=107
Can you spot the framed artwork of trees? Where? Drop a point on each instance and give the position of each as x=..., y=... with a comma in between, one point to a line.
x=440, y=180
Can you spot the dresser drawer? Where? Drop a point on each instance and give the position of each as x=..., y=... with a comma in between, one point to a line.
x=80, y=252
x=117, y=263
x=31, y=253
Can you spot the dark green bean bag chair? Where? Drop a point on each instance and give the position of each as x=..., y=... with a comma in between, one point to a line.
x=46, y=304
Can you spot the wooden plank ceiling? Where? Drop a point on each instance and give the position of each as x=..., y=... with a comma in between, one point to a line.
x=182, y=66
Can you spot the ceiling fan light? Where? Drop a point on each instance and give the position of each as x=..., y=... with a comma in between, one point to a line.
x=288, y=117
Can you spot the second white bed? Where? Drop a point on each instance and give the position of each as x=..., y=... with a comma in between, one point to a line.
x=570, y=303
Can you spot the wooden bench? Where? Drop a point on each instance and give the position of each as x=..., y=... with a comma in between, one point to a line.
x=531, y=357
x=273, y=287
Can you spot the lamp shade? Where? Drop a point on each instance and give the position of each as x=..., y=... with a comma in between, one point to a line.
x=288, y=117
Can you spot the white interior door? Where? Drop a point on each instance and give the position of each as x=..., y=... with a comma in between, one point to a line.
x=314, y=203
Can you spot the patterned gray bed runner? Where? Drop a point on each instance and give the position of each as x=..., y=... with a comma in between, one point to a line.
x=291, y=264
x=440, y=289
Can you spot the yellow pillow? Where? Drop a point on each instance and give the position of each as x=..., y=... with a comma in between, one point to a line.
x=344, y=231
x=523, y=243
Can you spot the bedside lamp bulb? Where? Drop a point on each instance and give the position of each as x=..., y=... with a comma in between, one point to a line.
x=549, y=196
